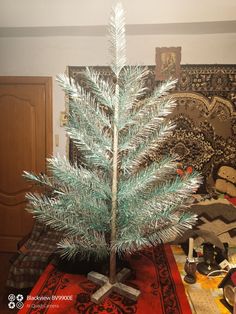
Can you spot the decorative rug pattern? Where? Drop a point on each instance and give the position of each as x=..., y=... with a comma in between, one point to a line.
x=205, y=118
x=154, y=272
x=218, y=216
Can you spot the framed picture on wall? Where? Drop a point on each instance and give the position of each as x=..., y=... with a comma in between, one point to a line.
x=168, y=63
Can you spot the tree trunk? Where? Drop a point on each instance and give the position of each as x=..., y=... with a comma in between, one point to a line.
x=112, y=277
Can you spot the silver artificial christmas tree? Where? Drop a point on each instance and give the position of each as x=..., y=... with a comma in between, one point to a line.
x=115, y=202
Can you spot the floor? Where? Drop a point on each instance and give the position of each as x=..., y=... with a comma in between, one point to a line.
x=4, y=292
x=204, y=295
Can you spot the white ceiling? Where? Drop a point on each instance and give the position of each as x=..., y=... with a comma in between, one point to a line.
x=90, y=17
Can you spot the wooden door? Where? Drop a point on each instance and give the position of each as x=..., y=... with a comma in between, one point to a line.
x=25, y=143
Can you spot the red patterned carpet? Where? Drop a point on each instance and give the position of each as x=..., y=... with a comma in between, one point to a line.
x=155, y=273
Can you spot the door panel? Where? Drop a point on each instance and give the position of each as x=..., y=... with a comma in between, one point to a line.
x=25, y=143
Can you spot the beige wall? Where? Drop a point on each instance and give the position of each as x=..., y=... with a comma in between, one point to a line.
x=50, y=55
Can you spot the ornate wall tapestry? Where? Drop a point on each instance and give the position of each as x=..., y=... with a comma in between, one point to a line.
x=205, y=117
